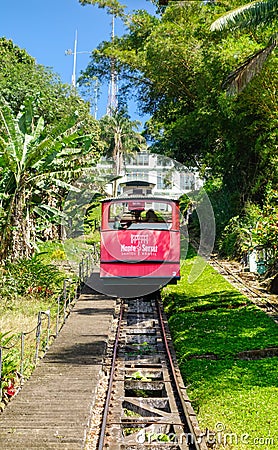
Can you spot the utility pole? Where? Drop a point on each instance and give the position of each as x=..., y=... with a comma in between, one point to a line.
x=112, y=103
x=74, y=53
x=73, y=77
x=95, y=99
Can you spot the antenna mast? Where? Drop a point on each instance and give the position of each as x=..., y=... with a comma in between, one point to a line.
x=73, y=78
x=112, y=104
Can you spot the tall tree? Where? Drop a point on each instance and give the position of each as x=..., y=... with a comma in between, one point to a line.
x=34, y=163
x=254, y=14
x=121, y=137
x=21, y=77
x=177, y=67
x=112, y=6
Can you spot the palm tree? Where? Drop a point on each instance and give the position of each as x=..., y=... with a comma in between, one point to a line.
x=254, y=14
x=33, y=163
x=121, y=137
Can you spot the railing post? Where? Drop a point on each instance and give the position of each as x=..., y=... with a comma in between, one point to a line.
x=38, y=337
x=69, y=296
x=58, y=315
x=22, y=354
x=47, y=313
x=87, y=267
x=82, y=262
x=65, y=299
x=76, y=290
x=80, y=272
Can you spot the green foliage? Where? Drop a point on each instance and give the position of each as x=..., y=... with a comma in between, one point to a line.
x=224, y=203
x=256, y=13
x=139, y=376
x=47, y=138
x=224, y=331
x=28, y=276
x=211, y=323
x=22, y=78
x=38, y=168
x=92, y=220
x=257, y=226
x=112, y=6
x=250, y=15
x=184, y=203
x=58, y=255
x=120, y=135
x=10, y=358
x=121, y=138
x=46, y=250
x=237, y=394
x=129, y=413
x=177, y=66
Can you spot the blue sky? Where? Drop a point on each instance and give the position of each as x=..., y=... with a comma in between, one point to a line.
x=47, y=29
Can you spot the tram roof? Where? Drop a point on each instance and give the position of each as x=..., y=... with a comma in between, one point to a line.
x=141, y=198
x=137, y=183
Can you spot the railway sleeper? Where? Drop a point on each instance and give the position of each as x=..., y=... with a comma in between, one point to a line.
x=146, y=411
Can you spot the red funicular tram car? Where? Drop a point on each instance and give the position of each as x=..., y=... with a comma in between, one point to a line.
x=140, y=241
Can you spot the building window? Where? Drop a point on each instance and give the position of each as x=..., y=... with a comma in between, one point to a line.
x=187, y=181
x=137, y=175
x=143, y=159
x=164, y=180
x=184, y=181
x=163, y=161
x=160, y=183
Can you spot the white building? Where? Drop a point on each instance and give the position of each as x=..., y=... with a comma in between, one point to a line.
x=158, y=174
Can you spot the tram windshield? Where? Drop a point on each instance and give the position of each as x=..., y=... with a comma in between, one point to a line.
x=140, y=214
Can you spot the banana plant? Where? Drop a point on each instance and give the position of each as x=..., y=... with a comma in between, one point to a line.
x=33, y=162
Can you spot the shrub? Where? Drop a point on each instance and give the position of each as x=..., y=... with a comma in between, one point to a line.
x=10, y=360
x=58, y=254
x=257, y=226
x=29, y=275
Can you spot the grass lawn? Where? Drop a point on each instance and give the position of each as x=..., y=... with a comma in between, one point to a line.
x=27, y=288
x=211, y=322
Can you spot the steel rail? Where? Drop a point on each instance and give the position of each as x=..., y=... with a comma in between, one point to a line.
x=173, y=370
x=184, y=422
x=258, y=294
x=237, y=278
x=213, y=262
x=111, y=380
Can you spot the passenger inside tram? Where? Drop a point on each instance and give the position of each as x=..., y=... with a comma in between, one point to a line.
x=119, y=225
x=137, y=215
x=151, y=216
x=122, y=216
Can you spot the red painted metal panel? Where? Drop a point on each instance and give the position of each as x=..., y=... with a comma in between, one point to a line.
x=140, y=252
x=153, y=270
x=140, y=245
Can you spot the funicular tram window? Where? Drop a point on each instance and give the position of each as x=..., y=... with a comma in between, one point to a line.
x=140, y=214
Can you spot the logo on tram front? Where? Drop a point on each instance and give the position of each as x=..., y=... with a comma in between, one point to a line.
x=139, y=246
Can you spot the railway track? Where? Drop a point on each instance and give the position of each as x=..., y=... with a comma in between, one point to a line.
x=146, y=404
x=260, y=297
